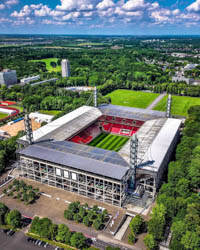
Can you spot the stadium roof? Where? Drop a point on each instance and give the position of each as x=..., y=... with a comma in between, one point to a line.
x=81, y=157
x=67, y=125
x=155, y=155
x=130, y=113
x=155, y=137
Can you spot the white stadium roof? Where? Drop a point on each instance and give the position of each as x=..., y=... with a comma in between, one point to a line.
x=67, y=125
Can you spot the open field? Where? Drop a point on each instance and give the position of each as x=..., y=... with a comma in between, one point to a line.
x=130, y=98
x=48, y=65
x=109, y=142
x=49, y=112
x=180, y=104
x=3, y=115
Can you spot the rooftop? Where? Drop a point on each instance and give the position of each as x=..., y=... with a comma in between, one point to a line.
x=130, y=113
x=67, y=125
x=81, y=157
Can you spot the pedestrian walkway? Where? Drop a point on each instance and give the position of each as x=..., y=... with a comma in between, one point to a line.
x=123, y=229
x=157, y=100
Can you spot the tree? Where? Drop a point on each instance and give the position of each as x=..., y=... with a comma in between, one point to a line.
x=150, y=242
x=78, y=240
x=44, y=226
x=63, y=234
x=131, y=239
x=3, y=212
x=112, y=248
x=77, y=218
x=86, y=221
x=191, y=240
x=97, y=224
x=136, y=225
x=53, y=230
x=14, y=218
x=68, y=214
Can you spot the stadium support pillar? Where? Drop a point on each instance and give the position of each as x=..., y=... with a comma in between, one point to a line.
x=28, y=128
x=95, y=97
x=169, y=102
x=133, y=159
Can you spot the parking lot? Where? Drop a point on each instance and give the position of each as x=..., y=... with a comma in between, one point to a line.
x=18, y=241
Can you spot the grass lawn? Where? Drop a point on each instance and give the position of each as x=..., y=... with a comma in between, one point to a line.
x=48, y=66
x=17, y=107
x=2, y=115
x=49, y=112
x=180, y=104
x=130, y=98
x=109, y=142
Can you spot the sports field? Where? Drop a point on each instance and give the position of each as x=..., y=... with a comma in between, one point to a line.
x=109, y=142
x=130, y=98
x=49, y=112
x=48, y=65
x=180, y=104
x=3, y=115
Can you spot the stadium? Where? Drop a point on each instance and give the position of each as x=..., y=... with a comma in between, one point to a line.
x=113, y=154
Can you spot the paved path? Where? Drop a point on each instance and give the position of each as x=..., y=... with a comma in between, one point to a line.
x=153, y=104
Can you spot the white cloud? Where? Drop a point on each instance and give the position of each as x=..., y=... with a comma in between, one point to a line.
x=69, y=5
x=11, y=2
x=176, y=12
x=43, y=11
x=194, y=6
x=161, y=15
x=47, y=21
x=25, y=11
x=2, y=6
x=134, y=5
x=5, y=20
x=105, y=4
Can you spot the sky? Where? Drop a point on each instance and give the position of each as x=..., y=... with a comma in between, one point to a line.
x=100, y=17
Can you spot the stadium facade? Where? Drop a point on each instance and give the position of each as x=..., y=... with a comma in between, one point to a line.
x=60, y=156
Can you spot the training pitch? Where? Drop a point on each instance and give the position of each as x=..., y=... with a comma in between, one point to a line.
x=109, y=142
x=180, y=104
x=130, y=98
x=47, y=61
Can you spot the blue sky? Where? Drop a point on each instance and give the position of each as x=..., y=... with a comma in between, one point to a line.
x=108, y=17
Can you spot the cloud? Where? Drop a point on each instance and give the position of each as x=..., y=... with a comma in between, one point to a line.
x=2, y=6
x=11, y=2
x=25, y=11
x=134, y=5
x=194, y=6
x=43, y=11
x=47, y=21
x=70, y=5
x=105, y=4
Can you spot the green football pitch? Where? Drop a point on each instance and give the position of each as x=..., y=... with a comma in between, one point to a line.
x=130, y=98
x=180, y=104
x=109, y=142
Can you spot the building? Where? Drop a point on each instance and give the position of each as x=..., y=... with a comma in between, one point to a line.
x=190, y=66
x=179, y=77
x=65, y=68
x=60, y=156
x=29, y=79
x=41, y=117
x=8, y=77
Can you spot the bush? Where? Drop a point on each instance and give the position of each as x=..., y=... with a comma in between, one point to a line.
x=150, y=242
x=14, y=218
x=132, y=239
x=137, y=225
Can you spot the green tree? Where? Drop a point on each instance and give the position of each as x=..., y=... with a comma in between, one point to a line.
x=86, y=221
x=78, y=240
x=191, y=240
x=132, y=239
x=97, y=224
x=68, y=214
x=53, y=230
x=14, y=218
x=3, y=212
x=150, y=242
x=137, y=225
x=63, y=234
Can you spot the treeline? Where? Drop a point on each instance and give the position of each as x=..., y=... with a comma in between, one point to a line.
x=47, y=229
x=178, y=202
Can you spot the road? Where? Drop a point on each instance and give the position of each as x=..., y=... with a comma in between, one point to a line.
x=154, y=103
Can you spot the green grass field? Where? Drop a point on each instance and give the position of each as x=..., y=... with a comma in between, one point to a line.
x=48, y=65
x=109, y=142
x=130, y=98
x=2, y=115
x=180, y=104
x=49, y=112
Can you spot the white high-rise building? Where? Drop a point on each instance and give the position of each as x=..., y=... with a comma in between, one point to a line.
x=65, y=68
x=8, y=77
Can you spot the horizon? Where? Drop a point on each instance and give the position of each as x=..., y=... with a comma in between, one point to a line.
x=100, y=17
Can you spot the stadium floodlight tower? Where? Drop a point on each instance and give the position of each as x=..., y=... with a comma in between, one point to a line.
x=95, y=97
x=133, y=159
x=169, y=103
x=28, y=129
